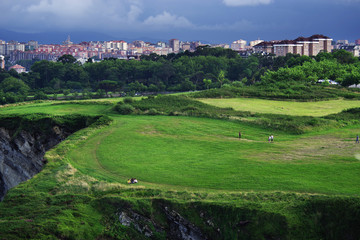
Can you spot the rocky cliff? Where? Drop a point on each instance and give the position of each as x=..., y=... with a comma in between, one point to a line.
x=21, y=156
x=24, y=139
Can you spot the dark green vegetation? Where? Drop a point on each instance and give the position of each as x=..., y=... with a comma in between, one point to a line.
x=289, y=77
x=191, y=165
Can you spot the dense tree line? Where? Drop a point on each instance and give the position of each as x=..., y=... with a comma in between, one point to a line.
x=205, y=68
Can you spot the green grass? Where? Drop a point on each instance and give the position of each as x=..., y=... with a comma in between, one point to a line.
x=302, y=186
x=51, y=107
x=196, y=153
x=320, y=108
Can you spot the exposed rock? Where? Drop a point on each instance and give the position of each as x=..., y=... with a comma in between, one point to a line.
x=178, y=228
x=181, y=228
x=21, y=156
x=139, y=222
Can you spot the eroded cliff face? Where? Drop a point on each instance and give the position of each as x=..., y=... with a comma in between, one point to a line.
x=22, y=154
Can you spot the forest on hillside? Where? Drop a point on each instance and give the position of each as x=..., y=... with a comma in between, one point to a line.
x=206, y=68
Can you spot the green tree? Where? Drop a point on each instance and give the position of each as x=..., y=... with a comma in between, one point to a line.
x=207, y=82
x=67, y=58
x=108, y=85
x=221, y=77
x=344, y=57
x=40, y=95
x=14, y=85
x=66, y=92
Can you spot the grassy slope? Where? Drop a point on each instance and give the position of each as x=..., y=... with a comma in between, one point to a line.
x=63, y=202
x=320, y=108
x=50, y=107
x=196, y=153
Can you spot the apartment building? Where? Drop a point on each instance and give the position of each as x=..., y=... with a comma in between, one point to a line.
x=310, y=46
x=111, y=46
x=2, y=62
x=354, y=49
x=7, y=47
x=174, y=45
x=255, y=42
x=238, y=45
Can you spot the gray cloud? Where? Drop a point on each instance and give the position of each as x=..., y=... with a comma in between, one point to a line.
x=166, y=19
x=157, y=18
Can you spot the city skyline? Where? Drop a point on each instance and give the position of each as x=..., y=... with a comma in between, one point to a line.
x=215, y=21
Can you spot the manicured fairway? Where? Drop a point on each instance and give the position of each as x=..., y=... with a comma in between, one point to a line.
x=320, y=108
x=195, y=153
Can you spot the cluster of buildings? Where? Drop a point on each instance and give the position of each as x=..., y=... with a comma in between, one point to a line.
x=97, y=50
x=354, y=48
x=309, y=46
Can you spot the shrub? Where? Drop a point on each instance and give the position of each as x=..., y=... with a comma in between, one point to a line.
x=128, y=100
x=124, y=109
x=153, y=111
x=40, y=96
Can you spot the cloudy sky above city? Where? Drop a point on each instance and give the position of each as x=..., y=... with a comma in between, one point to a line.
x=214, y=21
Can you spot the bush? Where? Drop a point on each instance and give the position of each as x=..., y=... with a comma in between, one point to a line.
x=124, y=109
x=40, y=96
x=128, y=100
x=153, y=111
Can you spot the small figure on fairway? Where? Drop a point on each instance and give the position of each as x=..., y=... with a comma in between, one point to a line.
x=357, y=138
x=132, y=181
x=239, y=134
x=272, y=138
x=269, y=139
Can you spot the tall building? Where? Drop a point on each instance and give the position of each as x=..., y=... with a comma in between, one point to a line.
x=67, y=41
x=32, y=45
x=255, y=42
x=2, y=62
x=161, y=44
x=174, y=45
x=342, y=42
x=238, y=45
x=6, y=49
x=310, y=46
x=139, y=43
x=2, y=48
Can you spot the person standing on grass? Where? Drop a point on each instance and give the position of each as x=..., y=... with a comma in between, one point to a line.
x=239, y=134
x=269, y=139
x=272, y=138
x=357, y=138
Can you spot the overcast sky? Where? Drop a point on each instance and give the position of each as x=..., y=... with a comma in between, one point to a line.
x=214, y=21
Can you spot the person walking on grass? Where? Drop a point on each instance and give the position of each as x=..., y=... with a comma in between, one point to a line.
x=357, y=138
x=269, y=139
x=272, y=138
x=239, y=134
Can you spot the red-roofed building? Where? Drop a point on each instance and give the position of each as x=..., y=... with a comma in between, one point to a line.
x=18, y=68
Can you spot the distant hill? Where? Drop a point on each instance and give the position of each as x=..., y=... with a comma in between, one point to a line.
x=59, y=37
x=76, y=37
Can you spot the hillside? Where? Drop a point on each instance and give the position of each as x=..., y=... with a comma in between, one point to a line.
x=197, y=178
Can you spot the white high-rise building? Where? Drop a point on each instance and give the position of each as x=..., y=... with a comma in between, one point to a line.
x=238, y=45
x=255, y=42
x=175, y=45
x=2, y=62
